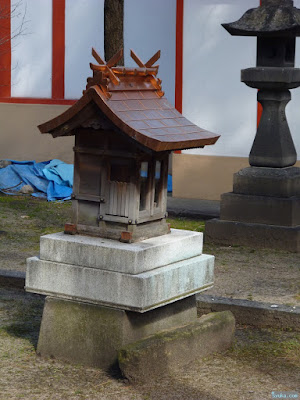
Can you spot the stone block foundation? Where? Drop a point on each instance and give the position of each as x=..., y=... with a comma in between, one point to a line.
x=170, y=350
x=92, y=335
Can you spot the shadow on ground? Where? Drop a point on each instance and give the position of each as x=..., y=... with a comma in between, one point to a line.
x=168, y=389
x=21, y=314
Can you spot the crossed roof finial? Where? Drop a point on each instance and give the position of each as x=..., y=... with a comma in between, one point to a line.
x=106, y=66
x=149, y=63
x=107, y=71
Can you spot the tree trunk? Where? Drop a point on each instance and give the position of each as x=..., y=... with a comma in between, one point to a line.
x=113, y=28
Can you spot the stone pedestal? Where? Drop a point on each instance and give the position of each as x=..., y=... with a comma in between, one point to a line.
x=92, y=335
x=262, y=211
x=136, y=277
x=163, y=353
x=104, y=294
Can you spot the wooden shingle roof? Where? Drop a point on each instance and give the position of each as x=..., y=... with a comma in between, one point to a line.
x=132, y=99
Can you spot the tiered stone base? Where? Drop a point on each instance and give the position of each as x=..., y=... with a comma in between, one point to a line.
x=253, y=235
x=262, y=211
x=136, y=277
x=104, y=295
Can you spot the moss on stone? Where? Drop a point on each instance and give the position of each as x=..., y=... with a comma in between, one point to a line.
x=211, y=333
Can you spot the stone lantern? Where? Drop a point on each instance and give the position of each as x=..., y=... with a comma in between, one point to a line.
x=264, y=207
x=102, y=293
x=276, y=24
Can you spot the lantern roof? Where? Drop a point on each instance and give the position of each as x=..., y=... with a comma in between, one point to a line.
x=272, y=18
x=133, y=101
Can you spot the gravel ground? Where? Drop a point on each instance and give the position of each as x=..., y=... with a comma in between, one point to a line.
x=266, y=275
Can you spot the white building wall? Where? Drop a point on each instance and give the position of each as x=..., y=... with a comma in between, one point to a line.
x=148, y=27
x=31, y=63
x=84, y=30
x=292, y=109
x=145, y=31
x=213, y=96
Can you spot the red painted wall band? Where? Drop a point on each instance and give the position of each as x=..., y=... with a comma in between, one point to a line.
x=58, y=49
x=259, y=106
x=33, y=100
x=179, y=57
x=5, y=49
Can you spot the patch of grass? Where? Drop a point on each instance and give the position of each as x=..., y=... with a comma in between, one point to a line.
x=268, y=346
x=51, y=213
x=186, y=224
x=28, y=218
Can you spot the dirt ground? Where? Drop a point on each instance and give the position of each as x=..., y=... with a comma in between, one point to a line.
x=255, y=274
x=259, y=362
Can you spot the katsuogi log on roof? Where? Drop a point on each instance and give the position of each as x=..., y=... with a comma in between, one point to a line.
x=130, y=100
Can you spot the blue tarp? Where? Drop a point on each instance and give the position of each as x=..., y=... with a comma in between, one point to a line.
x=170, y=183
x=49, y=179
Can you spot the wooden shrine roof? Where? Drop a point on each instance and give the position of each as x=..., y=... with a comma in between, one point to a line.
x=132, y=99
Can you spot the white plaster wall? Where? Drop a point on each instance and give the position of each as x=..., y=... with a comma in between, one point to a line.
x=148, y=27
x=292, y=109
x=146, y=30
x=84, y=30
x=32, y=50
x=213, y=96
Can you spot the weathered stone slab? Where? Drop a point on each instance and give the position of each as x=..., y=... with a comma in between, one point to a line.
x=260, y=209
x=271, y=182
x=113, y=255
x=92, y=335
x=165, y=352
x=140, y=292
x=253, y=235
x=252, y=313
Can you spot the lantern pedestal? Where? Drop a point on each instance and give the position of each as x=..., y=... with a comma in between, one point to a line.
x=262, y=211
x=273, y=182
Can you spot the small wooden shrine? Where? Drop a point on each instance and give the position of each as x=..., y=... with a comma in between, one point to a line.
x=124, y=131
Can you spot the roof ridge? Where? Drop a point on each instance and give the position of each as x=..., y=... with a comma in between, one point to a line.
x=106, y=75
